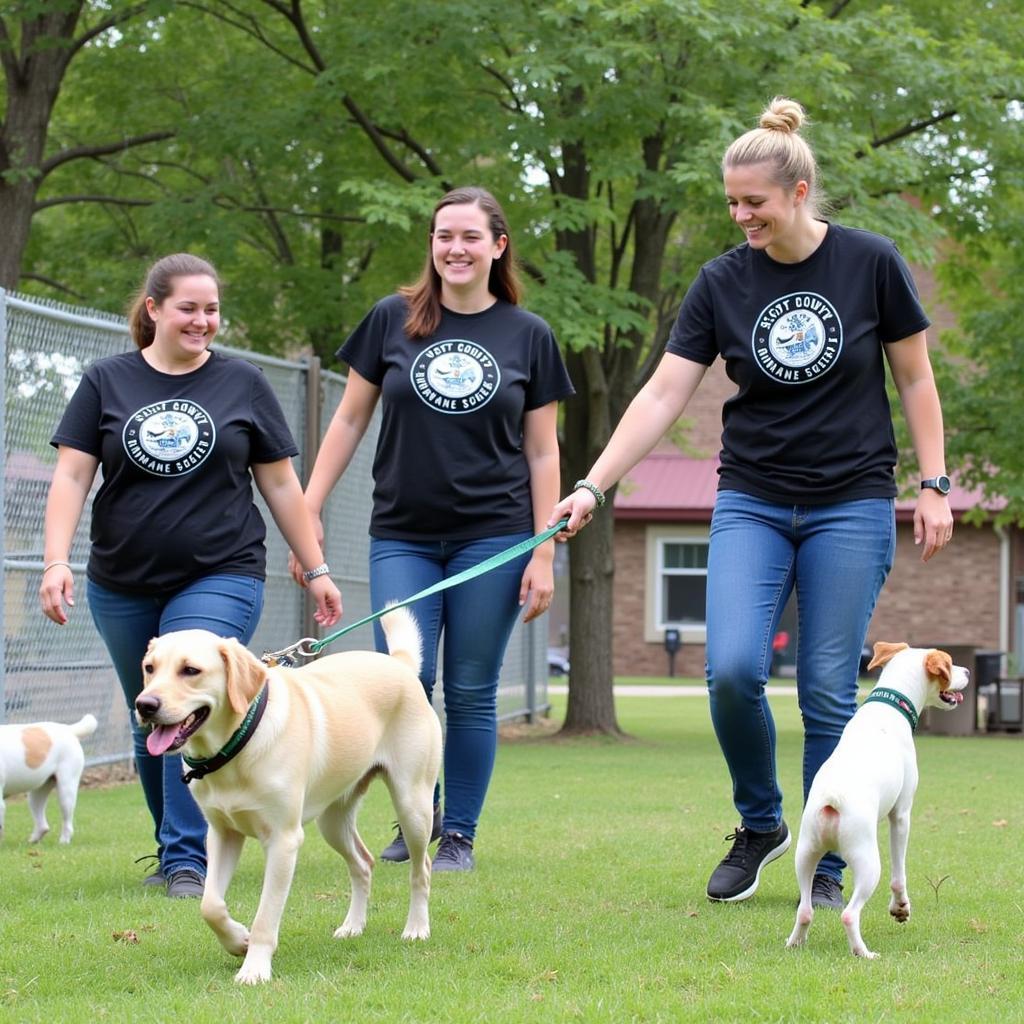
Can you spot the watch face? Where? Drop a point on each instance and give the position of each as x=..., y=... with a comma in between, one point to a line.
x=938, y=483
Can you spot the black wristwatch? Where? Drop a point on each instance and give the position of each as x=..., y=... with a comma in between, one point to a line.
x=937, y=483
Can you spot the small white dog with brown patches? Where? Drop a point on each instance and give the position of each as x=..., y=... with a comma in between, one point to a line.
x=873, y=773
x=272, y=748
x=37, y=758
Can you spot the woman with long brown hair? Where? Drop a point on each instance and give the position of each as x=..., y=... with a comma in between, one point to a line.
x=466, y=466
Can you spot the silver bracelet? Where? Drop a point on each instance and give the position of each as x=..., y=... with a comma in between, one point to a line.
x=593, y=488
x=321, y=570
x=50, y=565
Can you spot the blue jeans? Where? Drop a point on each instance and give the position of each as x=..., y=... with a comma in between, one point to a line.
x=225, y=605
x=476, y=619
x=837, y=558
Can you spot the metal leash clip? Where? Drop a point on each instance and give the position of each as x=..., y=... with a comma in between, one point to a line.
x=288, y=656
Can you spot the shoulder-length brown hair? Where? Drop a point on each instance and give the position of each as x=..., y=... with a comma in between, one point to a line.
x=424, y=295
x=158, y=285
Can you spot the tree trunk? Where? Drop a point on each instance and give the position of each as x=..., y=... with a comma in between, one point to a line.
x=591, y=705
x=32, y=76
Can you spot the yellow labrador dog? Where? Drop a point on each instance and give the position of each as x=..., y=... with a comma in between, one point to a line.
x=271, y=748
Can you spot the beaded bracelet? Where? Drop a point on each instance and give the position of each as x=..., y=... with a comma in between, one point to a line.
x=312, y=574
x=593, y=488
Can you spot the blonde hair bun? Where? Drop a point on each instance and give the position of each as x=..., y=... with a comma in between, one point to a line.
x=783, y=115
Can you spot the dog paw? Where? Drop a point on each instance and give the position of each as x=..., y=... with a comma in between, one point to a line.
x=349, y=929
x=253, y=974
x=900, y=911
x=865, y=954
x=414, y=932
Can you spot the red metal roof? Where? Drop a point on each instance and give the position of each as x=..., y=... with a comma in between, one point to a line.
x=672, y=487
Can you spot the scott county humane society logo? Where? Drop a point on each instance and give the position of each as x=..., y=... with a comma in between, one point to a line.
x=797, y=338
x=169, y=438
x=455, y=376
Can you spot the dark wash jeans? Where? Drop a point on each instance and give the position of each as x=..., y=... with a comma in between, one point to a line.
x=476, y=619
x=225, y=605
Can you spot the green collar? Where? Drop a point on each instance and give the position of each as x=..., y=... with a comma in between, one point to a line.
x=204, y=765
x=896, y=700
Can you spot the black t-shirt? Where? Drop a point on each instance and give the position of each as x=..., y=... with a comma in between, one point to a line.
x=176, y=501
x=810, y=422
x=449, y=463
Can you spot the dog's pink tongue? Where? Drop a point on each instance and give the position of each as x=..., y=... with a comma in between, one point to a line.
x=160, y=739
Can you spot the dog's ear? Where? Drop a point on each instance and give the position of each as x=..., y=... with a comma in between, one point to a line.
x=939, y=665
x=885, y=652
x=244, y=674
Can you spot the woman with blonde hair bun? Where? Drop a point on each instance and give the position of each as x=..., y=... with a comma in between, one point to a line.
x=806, y=314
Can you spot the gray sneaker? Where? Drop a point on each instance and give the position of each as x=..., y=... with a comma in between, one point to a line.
x=454, y=853
x=185, y=884
x=398, y=852
x=827, y=892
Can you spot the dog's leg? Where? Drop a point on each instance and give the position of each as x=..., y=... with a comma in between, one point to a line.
x=223, y=848
x=806, y=860
x=37, y=805
x=67, y=797
x=338, y=826
x=414, y=806
x=899, y=836
x=866, y=865
x=3, y=809
x=282, y=853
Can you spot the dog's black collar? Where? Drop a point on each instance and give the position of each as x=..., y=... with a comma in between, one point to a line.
x=204, y=765
x=896, y=700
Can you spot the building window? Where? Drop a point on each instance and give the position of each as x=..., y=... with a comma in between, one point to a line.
x=683, y=576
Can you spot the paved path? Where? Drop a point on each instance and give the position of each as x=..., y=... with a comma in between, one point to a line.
x=671, y=691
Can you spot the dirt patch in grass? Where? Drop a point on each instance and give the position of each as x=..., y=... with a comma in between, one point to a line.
x=105, y=776
x=519, y=729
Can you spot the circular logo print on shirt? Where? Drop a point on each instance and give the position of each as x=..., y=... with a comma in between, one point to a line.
x=169, y=438
x=455, y=376
x=797, y=338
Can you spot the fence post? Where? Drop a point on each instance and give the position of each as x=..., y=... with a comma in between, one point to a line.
x=310, y=447
x=3, y=507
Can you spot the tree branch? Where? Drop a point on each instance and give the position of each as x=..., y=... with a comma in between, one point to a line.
x=101, y=149
x=97, y=30
x=44, y=204
x=51, y=283
x=251, y=27
x=910, y=129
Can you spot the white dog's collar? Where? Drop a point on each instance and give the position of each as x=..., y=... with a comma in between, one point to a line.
x=894, y=699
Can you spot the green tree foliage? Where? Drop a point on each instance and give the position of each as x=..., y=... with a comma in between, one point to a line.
x=310, y=139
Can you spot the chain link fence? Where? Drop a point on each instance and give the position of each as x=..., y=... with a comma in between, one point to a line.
x=53, y=673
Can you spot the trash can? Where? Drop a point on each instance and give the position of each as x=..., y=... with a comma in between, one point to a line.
x=962, y=720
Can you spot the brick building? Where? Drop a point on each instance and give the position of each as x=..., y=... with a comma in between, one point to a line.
x=972, y=594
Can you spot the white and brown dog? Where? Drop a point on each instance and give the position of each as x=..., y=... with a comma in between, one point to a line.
x=38, y=757
x=272, y=748
x=871, y=773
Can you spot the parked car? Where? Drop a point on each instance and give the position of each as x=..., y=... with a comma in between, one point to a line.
x=558, y=663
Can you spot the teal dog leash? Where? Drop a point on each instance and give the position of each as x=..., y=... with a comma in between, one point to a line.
x=309, y=647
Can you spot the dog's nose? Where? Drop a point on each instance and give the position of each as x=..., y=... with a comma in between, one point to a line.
x=147, y=705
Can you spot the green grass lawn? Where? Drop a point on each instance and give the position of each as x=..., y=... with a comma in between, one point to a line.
x=587, y=904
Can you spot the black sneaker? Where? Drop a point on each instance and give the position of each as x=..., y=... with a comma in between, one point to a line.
x=398, y=852
x=827, y=892
x=454, y=853
x=737, y=877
